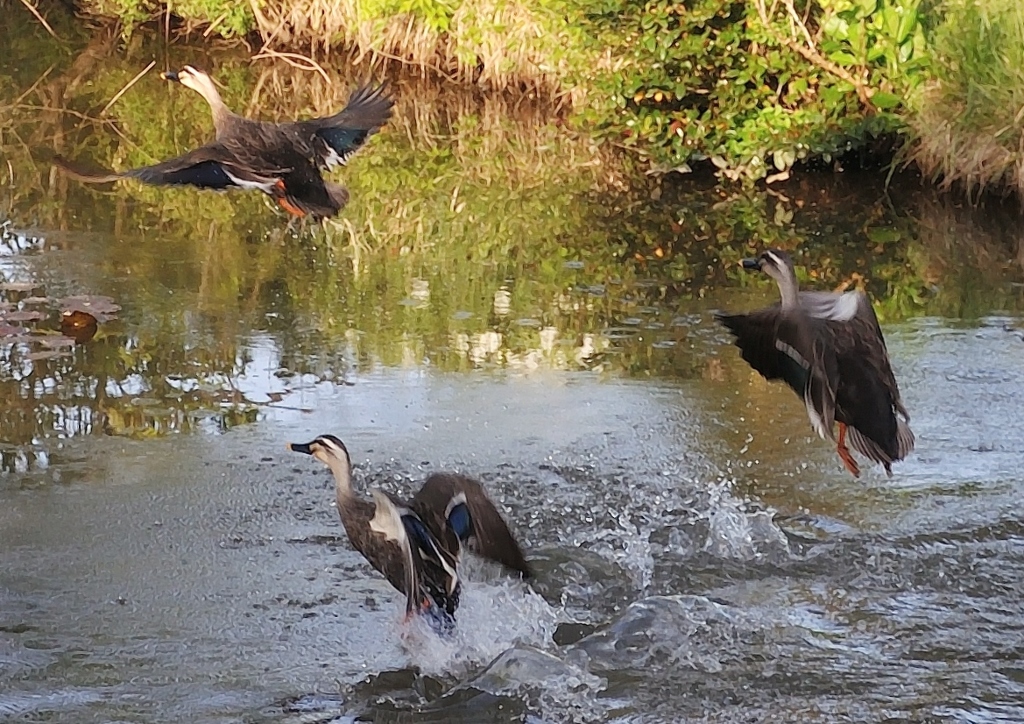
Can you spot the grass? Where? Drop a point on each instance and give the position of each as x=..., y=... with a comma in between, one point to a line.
x=496, y=44
x=968, y=129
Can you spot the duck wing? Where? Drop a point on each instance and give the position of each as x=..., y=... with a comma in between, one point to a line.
x=213, y=166
x=429, y=570
x=459, y=509
x=868, y=396
x=755, y=334
x=336, y=138
x=791, y=347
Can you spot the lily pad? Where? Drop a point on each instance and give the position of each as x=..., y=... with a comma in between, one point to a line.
x=47, y=354
x=23, y=315
x=56, y=341
x=102, y=308
x=18, y=286
x=8, y=330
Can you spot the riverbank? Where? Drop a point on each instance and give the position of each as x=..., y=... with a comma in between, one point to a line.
x=748, y=90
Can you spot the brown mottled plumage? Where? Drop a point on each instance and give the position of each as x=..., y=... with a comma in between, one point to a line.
x=417, y=544
x=283, y=160
x=829, y=349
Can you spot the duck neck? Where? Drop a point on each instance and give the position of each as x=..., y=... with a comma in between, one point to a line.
x=789, y=288
x=342, y=470
x=219, y=111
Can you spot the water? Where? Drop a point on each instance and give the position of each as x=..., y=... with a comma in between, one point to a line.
x=499, y=300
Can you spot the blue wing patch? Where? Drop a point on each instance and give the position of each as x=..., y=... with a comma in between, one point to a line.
x=460, y=521
x=344, y=141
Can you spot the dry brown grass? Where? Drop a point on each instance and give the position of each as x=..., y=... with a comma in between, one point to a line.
x=969, y=127
x=988, y=157
x=494, y=44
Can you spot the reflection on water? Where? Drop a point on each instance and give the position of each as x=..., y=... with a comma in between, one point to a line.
x=500, y=296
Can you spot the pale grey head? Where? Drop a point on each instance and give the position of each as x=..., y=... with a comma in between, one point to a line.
x=779, y=266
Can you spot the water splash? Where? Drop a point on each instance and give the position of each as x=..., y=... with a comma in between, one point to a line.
x=559, y=690
x=661, y=630
x=737, y=531
x=493, y=617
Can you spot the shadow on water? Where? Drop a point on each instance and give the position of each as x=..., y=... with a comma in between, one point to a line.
x=501, y=297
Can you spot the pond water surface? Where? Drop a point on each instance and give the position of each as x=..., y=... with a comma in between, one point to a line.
x=501, y=299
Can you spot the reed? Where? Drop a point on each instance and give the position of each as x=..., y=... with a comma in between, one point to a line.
x=968, y=129
x=496, y=44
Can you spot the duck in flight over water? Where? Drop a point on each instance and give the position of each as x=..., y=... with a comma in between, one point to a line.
x=828, y=347
x=283, y=160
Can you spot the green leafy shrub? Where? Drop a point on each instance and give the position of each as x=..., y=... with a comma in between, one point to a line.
x=750, y=87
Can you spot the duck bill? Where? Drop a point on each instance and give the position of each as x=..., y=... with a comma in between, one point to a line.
x=751, y=264
x=171, y=76
x=301, y=447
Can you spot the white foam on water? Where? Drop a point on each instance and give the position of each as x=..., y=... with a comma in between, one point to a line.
x=562, y=691
x=739, y=532
x=493, y=617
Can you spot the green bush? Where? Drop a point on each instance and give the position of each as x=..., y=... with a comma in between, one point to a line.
x=750, y=87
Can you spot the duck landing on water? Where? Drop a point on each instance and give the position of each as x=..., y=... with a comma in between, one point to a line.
x=283, y=160
x=829, y=349
x=417, y=544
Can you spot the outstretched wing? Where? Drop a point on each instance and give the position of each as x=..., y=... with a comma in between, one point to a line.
x=755, y=336
x=459, y=511
x=787, y=347
x=208, y=167
x=338, y=137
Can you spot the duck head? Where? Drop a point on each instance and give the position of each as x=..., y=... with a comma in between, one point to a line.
x=779, y=266
x=773, y=262
x=199, y=81
x=331, y=452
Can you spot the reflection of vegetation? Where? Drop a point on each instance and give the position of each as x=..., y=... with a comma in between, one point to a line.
x=479, y=236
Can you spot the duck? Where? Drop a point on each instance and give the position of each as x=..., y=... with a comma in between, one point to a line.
x=283, y=160
x=418, y=544
x=828, y=347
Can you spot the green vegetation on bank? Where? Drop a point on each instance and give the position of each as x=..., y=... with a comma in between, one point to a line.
x=968, y=125
x=754, y=87
x=749, y=88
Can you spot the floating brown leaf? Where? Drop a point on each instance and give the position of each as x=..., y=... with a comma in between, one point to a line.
x=102, y=308
x=22, y=315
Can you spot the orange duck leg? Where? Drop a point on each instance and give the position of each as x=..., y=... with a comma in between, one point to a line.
x=844, y=452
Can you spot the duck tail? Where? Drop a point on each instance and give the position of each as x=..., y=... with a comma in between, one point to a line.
x=873, y=451
x=83, y=173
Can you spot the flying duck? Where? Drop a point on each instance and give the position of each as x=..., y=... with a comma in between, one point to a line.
x=283, y=160
x=829, y=349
